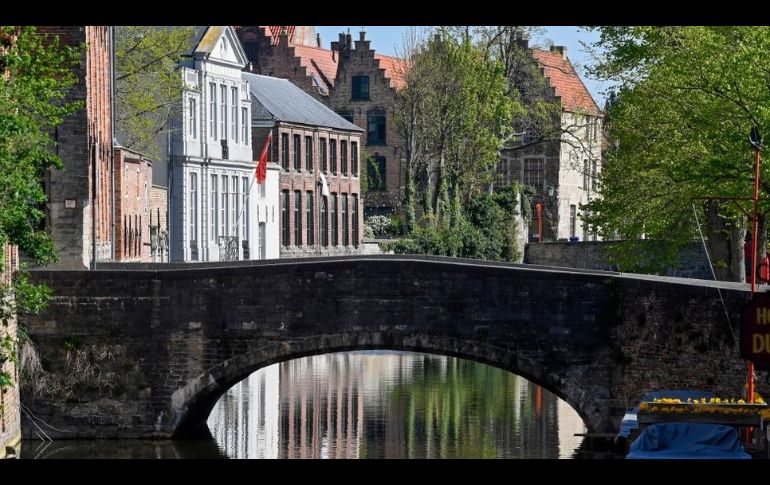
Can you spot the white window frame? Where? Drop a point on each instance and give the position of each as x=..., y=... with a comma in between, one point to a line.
x=223, y=110
x=234, y=207
x=245, y=202
x=193, y=117
x=213, y=110
x=223, y=208
x=234, y=113
x=193, y=212
x=214, y=207
x=245, y=125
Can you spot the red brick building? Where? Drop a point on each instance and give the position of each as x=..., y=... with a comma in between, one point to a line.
x=319, y=155
x=140, y=208
x=80, y=209
x=354, y=81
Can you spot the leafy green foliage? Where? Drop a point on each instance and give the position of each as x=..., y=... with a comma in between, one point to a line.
x=35, y=75
x=454, y=114
x=688, y=98
x=148, y=84
x=486, y=229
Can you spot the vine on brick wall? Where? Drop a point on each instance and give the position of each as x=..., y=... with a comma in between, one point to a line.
x=20, y=296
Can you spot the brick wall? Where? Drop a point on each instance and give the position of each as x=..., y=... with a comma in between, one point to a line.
x=83, y=139
x=10, y=430
x=304, y=181
x=159, y=206
x=593, y=255
x=133, y=180
x=281, y=60
x=359, y=60
x=278, y=60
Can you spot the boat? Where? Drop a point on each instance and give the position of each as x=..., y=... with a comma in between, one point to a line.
x=629, y=426
x=688, y=441
x=686, y=424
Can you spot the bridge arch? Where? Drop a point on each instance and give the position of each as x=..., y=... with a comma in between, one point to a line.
x=192, y=404
x=188, y=332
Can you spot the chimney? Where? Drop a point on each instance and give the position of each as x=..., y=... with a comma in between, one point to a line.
x=343, y=46
x=362, y=43
x=560, y=49
x=283, y=38
x=318, y=39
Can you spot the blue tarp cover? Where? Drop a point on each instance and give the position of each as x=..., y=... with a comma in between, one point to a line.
x=688, y=441
x=628, y=425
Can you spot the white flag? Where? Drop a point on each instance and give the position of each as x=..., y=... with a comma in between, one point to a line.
x=325, y=186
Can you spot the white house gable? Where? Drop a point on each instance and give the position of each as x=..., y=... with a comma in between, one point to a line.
x=221, y=45
x=225, y=50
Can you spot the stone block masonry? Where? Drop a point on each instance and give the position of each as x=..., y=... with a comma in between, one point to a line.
x=692, y=260
x=168, y=340
x=84, y=143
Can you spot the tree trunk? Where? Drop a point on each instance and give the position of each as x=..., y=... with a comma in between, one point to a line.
x=440, y=182
x=409, y=208
x=725, y=244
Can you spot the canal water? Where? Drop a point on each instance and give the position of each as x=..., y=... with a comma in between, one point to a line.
x=367, y=404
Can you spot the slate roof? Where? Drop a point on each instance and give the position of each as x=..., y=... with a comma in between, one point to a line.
x=574, y=95
x=286, y=102
x=200, y=31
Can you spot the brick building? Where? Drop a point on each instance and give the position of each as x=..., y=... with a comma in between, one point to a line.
x=140, y=209
x=80, y=204
x=158, y=224
x=319, y=156
x=563, y=170
x=354, y=81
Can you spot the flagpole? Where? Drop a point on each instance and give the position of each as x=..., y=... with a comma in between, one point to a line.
x=268, y=142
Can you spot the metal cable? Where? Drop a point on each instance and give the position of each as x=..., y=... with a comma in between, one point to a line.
x=708, y=258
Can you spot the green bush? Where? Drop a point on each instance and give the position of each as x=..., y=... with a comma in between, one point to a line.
x=486, y=229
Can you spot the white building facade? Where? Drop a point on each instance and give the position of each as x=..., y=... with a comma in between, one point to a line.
x=218, y=210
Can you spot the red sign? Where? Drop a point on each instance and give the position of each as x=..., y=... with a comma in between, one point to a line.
x=755, y=331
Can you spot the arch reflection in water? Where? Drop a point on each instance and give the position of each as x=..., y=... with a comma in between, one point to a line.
x=386, y=404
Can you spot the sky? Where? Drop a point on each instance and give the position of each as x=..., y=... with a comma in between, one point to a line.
x=386, y=39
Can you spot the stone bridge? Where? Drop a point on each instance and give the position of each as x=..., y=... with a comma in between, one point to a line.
x=146, y=350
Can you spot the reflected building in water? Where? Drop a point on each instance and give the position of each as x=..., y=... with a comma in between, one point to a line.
x=377, y=404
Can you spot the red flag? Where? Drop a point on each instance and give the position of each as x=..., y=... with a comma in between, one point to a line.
x=262, y=163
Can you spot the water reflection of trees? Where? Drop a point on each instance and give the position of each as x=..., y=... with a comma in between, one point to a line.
x=457, y=408
x=390, y=405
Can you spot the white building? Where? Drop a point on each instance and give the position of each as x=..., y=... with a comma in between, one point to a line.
x=218, y=211
x=563, y=172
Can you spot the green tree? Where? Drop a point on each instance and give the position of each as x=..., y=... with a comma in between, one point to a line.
x=35, y=75
x=688, y=97
x=148, y=84
x=453, y=115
